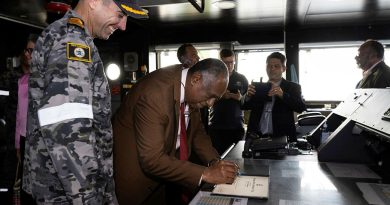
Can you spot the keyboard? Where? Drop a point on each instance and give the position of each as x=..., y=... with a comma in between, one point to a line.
x=215, y=200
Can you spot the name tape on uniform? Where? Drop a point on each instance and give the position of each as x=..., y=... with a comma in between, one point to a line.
x=4, y=92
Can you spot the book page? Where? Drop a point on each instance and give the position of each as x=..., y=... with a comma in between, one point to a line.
x=245, y=186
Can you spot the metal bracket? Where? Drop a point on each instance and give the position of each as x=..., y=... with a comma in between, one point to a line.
x=198, y=7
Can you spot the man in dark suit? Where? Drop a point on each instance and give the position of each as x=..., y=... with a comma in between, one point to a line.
x=376, y=74
x=187, y=55
x=226, y=123
x=147, y=134
x=274, y=115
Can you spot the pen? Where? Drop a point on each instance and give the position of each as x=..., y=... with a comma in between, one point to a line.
x=227, y=151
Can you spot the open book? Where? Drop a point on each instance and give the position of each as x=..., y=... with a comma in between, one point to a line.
x=245, y=186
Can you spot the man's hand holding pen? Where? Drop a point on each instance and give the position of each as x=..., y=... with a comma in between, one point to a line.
x=221, y=172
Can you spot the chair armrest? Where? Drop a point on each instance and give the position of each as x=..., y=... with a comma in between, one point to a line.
x=305, y=114
x=311, y=120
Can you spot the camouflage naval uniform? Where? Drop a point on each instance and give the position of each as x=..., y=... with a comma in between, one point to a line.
x=69, y=134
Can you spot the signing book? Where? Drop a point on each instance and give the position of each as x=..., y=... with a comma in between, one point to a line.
x=245, y=186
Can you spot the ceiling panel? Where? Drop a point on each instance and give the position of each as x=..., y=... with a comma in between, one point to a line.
x=335, y=6
x=248, y=13
x=255, y=9
x=351, y=12
x=385, y=4
x=254, y=13
x=182, y=12
x=334, y=19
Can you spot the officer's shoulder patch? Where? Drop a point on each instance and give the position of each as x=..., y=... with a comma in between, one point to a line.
x=78, y=52
x=76, y=21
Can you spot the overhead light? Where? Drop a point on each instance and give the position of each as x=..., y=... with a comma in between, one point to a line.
x=225, y=4
x=113, y=71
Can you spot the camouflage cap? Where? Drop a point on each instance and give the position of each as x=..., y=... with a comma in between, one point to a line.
x=131, y=8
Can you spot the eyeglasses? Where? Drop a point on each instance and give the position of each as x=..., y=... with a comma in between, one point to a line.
x=229, y=62
x=29, y=50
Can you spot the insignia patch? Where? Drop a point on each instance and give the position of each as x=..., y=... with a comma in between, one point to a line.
x=78, y=52
x=76, y=21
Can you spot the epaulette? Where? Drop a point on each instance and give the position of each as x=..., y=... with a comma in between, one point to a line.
x=76, y=21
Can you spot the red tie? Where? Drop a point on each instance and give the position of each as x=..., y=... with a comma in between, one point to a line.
x=183, y=134
x=185, y=195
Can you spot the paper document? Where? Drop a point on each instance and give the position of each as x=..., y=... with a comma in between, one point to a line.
x=245, y=186
x=352, y=171
x=375, y=193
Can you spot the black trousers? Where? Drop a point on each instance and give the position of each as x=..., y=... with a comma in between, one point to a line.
x=222, y=139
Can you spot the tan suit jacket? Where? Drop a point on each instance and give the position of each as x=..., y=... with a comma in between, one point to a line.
x=145, y=131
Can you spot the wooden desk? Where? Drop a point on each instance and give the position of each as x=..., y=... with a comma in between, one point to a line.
x=302, y=180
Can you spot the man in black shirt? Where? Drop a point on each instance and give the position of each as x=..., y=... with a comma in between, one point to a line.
x=226, y=122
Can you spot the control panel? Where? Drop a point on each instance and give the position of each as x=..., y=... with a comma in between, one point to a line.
x=386, y=115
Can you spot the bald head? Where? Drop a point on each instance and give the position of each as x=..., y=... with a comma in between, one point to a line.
x=206, y=82
x=187, y=55
x=369, y=53
x=211, y=69
x=374, y=47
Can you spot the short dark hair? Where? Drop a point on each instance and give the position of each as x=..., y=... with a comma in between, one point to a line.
x=279, y=56
x=32, y=37
x=182, y=50
x=224, y=53
x=376, y=47
x=210, y=68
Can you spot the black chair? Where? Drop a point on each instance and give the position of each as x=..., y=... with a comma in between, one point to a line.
x=306, y=114
x=308, y=122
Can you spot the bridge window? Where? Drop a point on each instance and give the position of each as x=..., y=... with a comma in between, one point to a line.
x=167, y=55
x=252, y=64
x=329, y=72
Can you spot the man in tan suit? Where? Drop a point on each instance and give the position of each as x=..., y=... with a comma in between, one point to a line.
x=146, y=139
